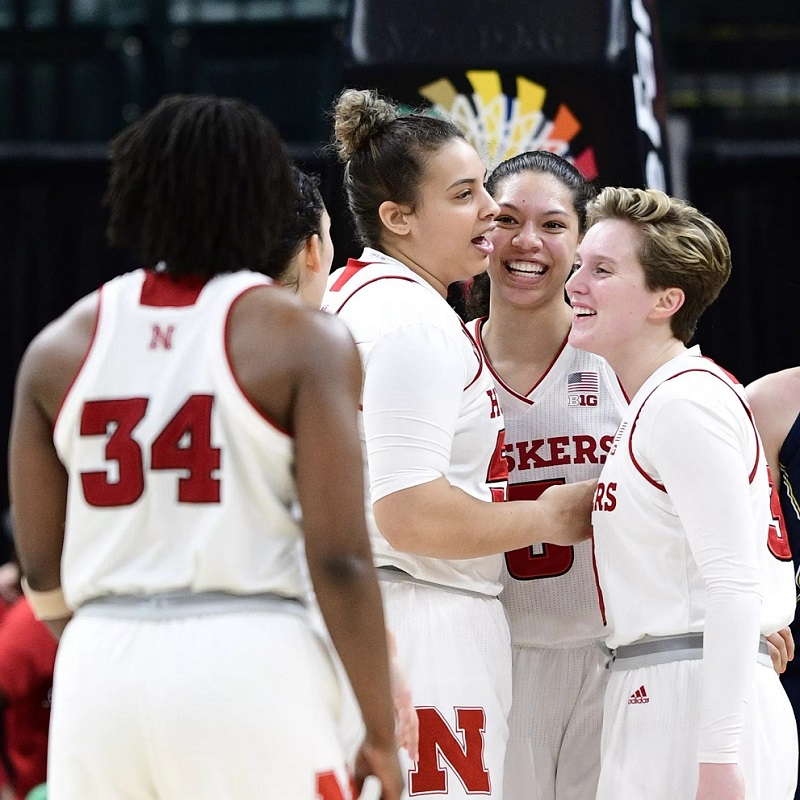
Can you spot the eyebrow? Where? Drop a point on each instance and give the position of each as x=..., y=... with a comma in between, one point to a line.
x=560, y=211
x=460, y=182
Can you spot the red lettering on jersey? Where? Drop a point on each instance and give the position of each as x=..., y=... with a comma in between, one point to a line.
x=184, y=443
x=117, y=420
x=498, y=469
x=160, y=338
x=524, y=564
x=442, y=751
x=605, y=498
x=778, y=536
x=495, y=412
x=528, y=454
x=606, y=443
x=558, y=451
x=329, y=788
x=585, y=449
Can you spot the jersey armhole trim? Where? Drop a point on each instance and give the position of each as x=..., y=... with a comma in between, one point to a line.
x=373, y=280
x=92, y=339
x=639, y=467
x=225, y=328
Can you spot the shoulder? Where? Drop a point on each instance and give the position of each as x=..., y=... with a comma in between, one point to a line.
x=697, y=397
x=54, y=356
x=280, y=317
x=775, y=401
x=776, y=394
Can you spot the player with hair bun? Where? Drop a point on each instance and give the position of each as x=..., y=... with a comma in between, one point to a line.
x=433, y=434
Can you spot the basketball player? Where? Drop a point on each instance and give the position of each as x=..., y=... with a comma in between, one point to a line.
x=433, y=434
x=692, y=563
x=303, y=257
x=775, y=400
x=561, y=408
x=163, y=429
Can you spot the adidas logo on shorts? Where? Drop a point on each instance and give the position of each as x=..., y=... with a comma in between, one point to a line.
x=639, y=696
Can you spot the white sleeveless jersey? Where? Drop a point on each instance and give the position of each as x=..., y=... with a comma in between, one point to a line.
x=376, y=296
x=176, y=481
x=649, y=580
x=560, y=432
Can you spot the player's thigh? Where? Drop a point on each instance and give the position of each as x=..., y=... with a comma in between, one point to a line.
x=218, y=707
x=95, y=746
x=650, y=733
x=456, y=651
x=555, y=723
x=253, y=713
x=579, y=758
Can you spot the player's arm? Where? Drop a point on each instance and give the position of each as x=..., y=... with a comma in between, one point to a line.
x=37, y=479
x=330, y=481
x=38, y=487
x=709, y=488
x=413, y=389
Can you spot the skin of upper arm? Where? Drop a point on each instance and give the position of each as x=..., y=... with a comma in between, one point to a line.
x=329, y=461
x=775, y=402
x=38, y=480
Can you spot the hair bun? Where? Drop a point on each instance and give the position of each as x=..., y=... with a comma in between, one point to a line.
x=357, y=115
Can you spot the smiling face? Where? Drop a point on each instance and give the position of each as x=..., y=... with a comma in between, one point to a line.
x=613, y=310
x=447, y=232
x=535, y=239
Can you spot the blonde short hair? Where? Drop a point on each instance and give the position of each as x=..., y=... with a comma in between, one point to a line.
x=678, y=247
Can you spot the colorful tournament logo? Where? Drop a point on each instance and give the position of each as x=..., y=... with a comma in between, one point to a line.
x=499, y=126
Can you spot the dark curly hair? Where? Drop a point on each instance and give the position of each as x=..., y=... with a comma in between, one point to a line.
x=304, y=220
x=201, y=183
x=545, y=163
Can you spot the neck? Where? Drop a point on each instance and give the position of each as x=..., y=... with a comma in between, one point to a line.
x=523, y=342
x=638, y=362
x=418, y=269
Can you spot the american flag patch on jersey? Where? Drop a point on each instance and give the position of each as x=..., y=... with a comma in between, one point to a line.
x=583, y=383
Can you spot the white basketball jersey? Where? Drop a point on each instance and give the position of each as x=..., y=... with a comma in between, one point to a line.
x=376, y=296
x=560, y=432
x=176, y=481
x=649, y=580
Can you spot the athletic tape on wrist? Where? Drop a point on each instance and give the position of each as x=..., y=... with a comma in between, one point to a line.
x=46, y=605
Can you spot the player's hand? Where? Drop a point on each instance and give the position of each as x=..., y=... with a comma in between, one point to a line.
x=382, y=762
x=720, y=782
x=405, y=714
x=781, y=649
x=570, y=506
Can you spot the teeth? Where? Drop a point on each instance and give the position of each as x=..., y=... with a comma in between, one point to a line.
x=584, y=312
x=526, y=267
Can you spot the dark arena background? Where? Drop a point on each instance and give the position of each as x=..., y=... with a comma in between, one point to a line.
x=701, y=97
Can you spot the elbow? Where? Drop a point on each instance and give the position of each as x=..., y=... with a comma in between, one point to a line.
x=342, y=569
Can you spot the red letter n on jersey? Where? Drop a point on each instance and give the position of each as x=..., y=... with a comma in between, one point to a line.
x=161, y=338
x=441, y=751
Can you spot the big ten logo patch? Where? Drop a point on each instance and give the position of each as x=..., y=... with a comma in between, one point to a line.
x=500, y=125
x=583, y=388
x=445, y=752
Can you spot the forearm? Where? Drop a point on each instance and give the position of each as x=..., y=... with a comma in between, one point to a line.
x=439, y=520
x=349, y=598
x=730, y=647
